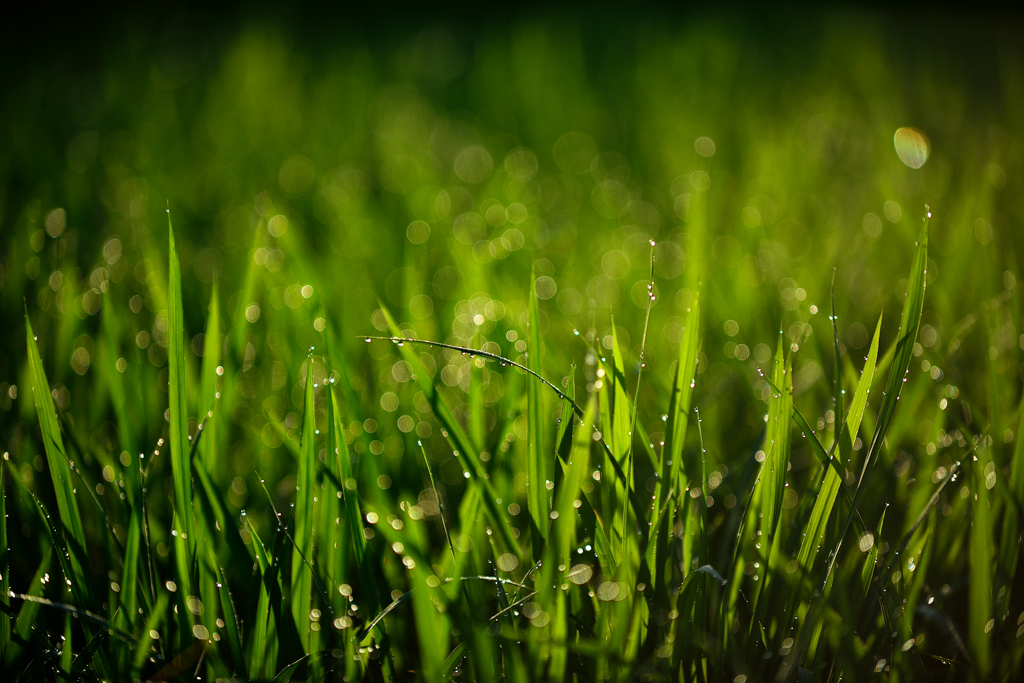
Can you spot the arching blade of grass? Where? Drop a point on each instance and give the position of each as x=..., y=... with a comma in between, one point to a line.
x=301, y=579
x=537, y=459
x=180, y=466
x=456, y=436
x=60, y=473
x=910, y=323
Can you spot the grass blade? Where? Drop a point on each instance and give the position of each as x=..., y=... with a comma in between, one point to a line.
x=60, y=473
x=979, y=610
x=208, y=390
x=817, y=524
x=910, y=323
x=179, y=442
x=558, y=558
x=301, y=579
x=679, y=403
x=537, y=460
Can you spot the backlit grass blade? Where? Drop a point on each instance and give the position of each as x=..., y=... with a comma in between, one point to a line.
x=672, y=466
x=814, y=530
x=620, y=414
x=333, y=525
x=258, y=637
x=620, y=403
x=837, y=370
x=179, y=442
x=777, y=447
x=132, y=568
x=679, y=403
x=910, y=323
x=860, y=399
x=979, y=609
x=558, y=559
x=354, y=521
x=301, y=579
x=537, y=459
x=208, y=389
x=60, y=473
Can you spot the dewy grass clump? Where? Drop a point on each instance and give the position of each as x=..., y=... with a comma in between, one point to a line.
x=600, y=557
x=557, y=349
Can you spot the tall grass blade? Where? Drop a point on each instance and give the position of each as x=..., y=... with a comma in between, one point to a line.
x=679, y=403
x=537, y=459
x=60, y=473
x=301, y=579
x=979, y=610
x=208, y=388
x=817, y=524
x=558, y=559
x=910, y=323
x=181, y=468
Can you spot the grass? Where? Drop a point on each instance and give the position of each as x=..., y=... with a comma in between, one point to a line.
x=512, y=374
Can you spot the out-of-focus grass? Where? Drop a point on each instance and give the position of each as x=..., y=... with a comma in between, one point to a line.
x=495, y=186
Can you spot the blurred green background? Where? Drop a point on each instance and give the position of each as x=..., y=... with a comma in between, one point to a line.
x=319, y=165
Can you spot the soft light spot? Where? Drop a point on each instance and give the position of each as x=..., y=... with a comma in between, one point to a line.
x=912, y=146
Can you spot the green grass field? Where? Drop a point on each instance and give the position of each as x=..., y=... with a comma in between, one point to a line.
x=548, y=347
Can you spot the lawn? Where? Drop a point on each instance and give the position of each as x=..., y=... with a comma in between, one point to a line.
x=552, y=345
